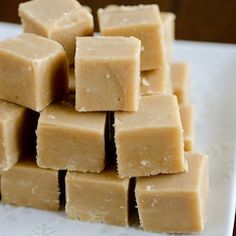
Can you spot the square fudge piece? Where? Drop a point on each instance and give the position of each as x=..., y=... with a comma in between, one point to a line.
x=69, y=140
x=180, y=81
x=187, y=119
x=168, y=21
x=60, y=20
x=17, y=127
x=154, y=81
x=150, y=141
x=27, y=185
x=142, y=22
x=97, y=197
x=33, y=71
x=175, y=203
x=107, y=73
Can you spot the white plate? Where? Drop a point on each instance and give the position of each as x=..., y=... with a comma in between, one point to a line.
x=214, y=86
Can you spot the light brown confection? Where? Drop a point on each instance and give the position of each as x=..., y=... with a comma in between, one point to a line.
x=72, y=80
x=33, y=71
x=180, y=81
x=70, y=140
x=87, y=8
x=187, y=119
x=150, y=141
x=97, y=197
x=60, y=20
x=107, y=73
x=17, y=125
x=153, y=82
x=142, y=22
x=175, y=203
x=168, y=21
x=27, y=185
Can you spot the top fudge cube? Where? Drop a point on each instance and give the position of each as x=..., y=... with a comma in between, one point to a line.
x=142, y=22
x=60, y=20
x=107, y=72
x=150, y=141
x=33, y=71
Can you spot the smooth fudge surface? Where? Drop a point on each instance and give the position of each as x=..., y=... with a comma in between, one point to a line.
x=71, y=140
x=72, y=80
x=107, y=73
x=168, y=21
x=97, y=197
x=60, y=20
x=16, y=133
x=187, y=119
x=175, y=203
x=142, y=22
x=27, y=185
x=180, y=81
x=33, y=71
x=154, y=81
x=150, y=141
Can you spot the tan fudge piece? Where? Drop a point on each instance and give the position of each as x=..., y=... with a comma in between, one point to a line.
x=27, y=185
x=17, y=125
x=72, y=80
x=150, y=141
x=142, y=22
x=175, y=203
x=107, y=73
x=187, y=119
x=87, y=8
x=97, y=197
x=168, y=21
x=33, y=71
x=153, y=82
x=180, y=81
x=70, y=140
x=60, y=20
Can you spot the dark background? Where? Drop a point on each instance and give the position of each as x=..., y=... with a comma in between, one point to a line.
x=198, y=20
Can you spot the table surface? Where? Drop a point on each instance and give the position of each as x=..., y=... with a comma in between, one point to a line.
x=213, y=82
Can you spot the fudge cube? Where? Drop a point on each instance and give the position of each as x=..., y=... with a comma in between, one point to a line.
x=150, y=141
x=107, y=73
x=168, y=21
x=60, y=20
x=69, y=140
x=72, y=80
x=27, y=185
x=142, y=22
x=187, y=119
x=33, y=71
x=17, y=127
x=180, y=81
x=175, y=203
x=154, y=81
x=97, y=197
x=87, y=8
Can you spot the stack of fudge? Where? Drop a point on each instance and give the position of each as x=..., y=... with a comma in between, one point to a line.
x=107, y=116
